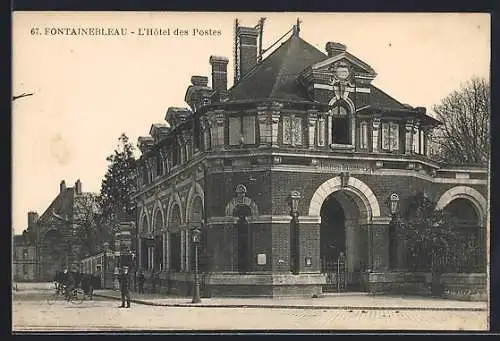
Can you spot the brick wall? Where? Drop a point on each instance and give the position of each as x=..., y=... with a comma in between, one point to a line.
x=221, y=189
x=281, y=247
x=309, y=237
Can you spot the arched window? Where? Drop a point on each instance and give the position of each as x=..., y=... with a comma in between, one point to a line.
x=340, y=127
x=158, y=243
x=175, y=239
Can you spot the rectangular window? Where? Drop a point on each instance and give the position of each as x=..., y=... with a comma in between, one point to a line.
x=234, y=131
x=25, y=269
x=248, y=129
x=241, y=130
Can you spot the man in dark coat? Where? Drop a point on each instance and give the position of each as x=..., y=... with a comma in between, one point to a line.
x=140, y=280
x=124, y=280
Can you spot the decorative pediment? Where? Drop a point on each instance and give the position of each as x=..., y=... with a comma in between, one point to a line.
x=145, y=143
x=346, y=59
x=159, y=131
x=176, y=116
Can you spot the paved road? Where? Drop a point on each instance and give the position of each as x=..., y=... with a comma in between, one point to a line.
x=104, y=315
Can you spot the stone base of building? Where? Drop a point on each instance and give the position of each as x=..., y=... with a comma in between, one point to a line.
x=240, y=285
x=472, y=287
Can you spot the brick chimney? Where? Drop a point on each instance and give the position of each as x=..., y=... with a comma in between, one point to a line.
x=32, y=218
x=247, y=48
x=78, y=187
x=219, y=72
x=62, y=186
x=334, y=49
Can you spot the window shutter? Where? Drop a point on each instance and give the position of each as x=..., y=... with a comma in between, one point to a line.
x=287, y=133
x=394, y=130
x=385, y=136
x=297, y=130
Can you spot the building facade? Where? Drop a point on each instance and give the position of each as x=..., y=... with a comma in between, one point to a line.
x=52, y=237
x=288, y=171
x=24, y=263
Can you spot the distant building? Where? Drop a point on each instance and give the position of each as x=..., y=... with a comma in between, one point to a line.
x=24, y=262
x=50, y=238
x=302, y=134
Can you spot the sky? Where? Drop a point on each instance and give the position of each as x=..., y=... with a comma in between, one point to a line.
x=90, y=89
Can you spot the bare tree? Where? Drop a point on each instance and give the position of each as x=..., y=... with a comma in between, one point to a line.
x=85, y=221
x=464, y=136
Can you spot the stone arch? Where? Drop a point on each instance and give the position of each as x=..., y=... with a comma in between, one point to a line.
x=364, y=197
x=195, y=192
x=347, y=100
x=158, y=213
x=174, y=201
x=144, y=217
x=477, y=199
x=246, y=201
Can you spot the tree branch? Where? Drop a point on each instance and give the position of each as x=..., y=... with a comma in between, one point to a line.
x=22, y=95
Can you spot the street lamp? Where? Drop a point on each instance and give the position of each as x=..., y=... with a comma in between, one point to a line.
x=293, y=201
x=196, y=241
x=394, y=200
x=393, y=234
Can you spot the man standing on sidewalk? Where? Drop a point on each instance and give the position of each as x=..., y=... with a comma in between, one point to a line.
x=124, y=287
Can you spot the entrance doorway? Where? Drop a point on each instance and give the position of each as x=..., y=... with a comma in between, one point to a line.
x=343, y=243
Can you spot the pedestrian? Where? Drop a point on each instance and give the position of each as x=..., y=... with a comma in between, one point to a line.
x=124, y=287
x=140, y=281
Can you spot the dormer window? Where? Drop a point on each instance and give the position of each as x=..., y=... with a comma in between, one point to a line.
x=340, y=125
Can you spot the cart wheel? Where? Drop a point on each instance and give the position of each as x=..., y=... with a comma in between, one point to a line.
x=78, y=296
x=52, y=298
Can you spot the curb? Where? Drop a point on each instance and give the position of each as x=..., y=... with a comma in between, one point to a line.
x=276, y=306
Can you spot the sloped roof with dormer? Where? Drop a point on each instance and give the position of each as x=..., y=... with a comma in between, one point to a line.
x=276, y=76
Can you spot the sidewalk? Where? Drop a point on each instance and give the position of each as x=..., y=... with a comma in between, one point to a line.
x=354, y=301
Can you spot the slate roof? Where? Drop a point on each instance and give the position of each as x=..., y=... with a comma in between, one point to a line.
x=276, y=76
x=380, y=99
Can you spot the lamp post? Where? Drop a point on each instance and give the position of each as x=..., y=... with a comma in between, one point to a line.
x=393, y=245
x=294, y=233
x=394, y=201
x=196, y=241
